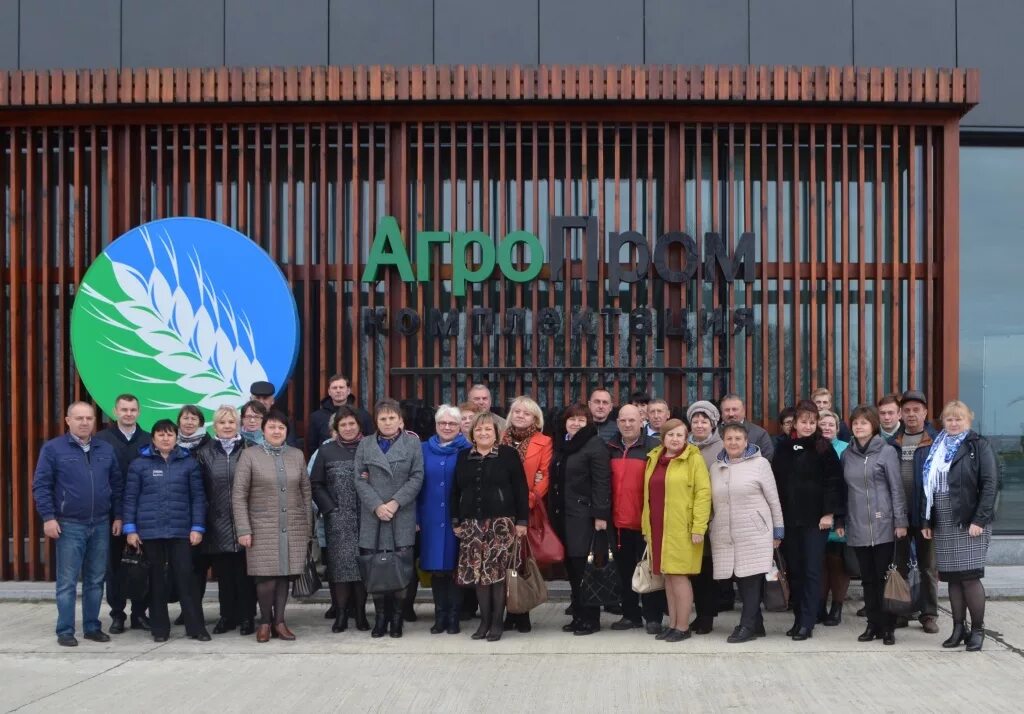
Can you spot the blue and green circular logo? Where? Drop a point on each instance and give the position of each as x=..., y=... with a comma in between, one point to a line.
x=183, y=311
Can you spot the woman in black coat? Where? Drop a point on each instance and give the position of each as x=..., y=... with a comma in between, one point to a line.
x=217, y=458
x=490, y=510
x=809, y=479
x=579, y=500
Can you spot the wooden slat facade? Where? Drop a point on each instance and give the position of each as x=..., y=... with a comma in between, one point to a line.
x=846, y=177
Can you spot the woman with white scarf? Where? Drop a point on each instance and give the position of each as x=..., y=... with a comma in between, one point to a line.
x=957, y=496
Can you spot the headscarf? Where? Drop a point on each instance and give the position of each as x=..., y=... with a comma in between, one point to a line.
x=940, y=456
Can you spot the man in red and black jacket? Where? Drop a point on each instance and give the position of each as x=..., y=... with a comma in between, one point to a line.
x=628, y=450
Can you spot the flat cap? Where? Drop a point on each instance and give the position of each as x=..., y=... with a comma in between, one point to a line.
x=262, y=389
x=913, y=395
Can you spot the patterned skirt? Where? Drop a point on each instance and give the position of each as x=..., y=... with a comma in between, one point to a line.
x=485, y=550
x=957, y=554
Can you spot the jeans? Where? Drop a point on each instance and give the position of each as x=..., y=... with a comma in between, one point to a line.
x=81, y=549
x=804, y=548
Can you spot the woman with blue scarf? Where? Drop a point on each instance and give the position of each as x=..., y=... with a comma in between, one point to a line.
x=957, y=495
x=439, y=548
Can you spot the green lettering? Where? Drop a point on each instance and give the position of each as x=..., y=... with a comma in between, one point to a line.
x=423, y=241
x=461, y=271
x=508, y=267
x=388, y=249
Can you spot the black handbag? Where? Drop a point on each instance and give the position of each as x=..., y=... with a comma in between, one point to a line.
x=309, y=583
x=386, y=571
x=134, y=574
x=601, y=584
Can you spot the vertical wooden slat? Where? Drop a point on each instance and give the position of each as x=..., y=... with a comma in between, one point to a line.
x=912, y=325
x=797, y=255
x=895, y=282
x=763, y=264
x=31, y=436
x=832, y=327
x=862, y=368
x=715, y=224
x=748, y=225
x=312, y=384
x=878, y=230
x=49, y=346
x=780, y=292
x=698, y=235
x=812, y=232
x=19, y=495
x=844, y=241
x=7, y=335
x=949, y=241
x=930, y=254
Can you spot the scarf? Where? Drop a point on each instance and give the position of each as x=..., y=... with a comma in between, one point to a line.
x=190, y=442
x=350, y=444
x=272, y=450
x=940, y=456
x=253, y=437
x=229, y=444
x=386, y=442
x=519, y=439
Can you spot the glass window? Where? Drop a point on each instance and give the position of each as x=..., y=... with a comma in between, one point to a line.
x=991, y=320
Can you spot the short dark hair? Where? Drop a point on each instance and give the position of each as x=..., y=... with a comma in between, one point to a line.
x=253, y=405
x=194, y=411
x=787, y=413
x=577, y=409
x=275, y=415
x=163, y=426
x=806, y=406
x=639, y=398
x=339, y=378
x=387, y=404
x=344, y=412
x=736, y=426
x=126, y=398
x=869, y=414
x=888, y=399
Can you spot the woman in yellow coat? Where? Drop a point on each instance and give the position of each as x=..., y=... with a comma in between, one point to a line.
x=677, y=508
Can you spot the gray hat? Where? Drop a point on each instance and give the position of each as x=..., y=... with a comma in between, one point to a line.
x=704, y=407
x=913, y=395
x=262, y=389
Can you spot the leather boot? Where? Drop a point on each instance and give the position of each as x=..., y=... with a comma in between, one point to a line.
x=959, y=635
x=835, y=615
x=380, y=622
x=440, y=592
x=407, y=598
x=453, y=627
x=340, y=622
x=497, y=612
x=976, y=638
x=396, y=623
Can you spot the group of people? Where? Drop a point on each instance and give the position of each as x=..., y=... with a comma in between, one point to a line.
x=703, y=496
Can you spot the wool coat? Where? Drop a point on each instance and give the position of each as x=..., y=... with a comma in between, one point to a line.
x=396, y=475
x=581, y=489
x=809, y=479
x=747, y=515
x=875, y=502
x=439, y=547
x=687, y=509
x=272, y=501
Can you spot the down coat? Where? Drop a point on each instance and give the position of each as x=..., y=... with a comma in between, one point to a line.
x=218, y=469
x=271, y=501
x=164, y=498
x=747, y=515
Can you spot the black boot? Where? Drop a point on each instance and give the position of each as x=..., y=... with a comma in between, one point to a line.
x=870, y=633
x=396, y=623
x=483, y=596
x=408, y=599
x=340, y=622
x=835, y=615
x=794, y=629
x=380, y=622
x=959, y=635
x=439, y=586
x=976, y=638
x=497, y=628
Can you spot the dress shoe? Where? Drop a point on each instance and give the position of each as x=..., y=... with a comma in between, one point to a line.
x=959, y=635
x=976, y=639
x=888, y=637
x=481, y=631
x=863, y=612
x=67, y=641
x=741, y=634
x=678, y=636
x=340, y=623
x=702, y=625
x=281, y=630
x=902, y=622
x=587, y=628
x=332, y=612
x=822, y=614
x=140, y=622
x=663, y=635
x=116, y=625
x=223, y=626
x=835, y=615
x=626, y=624
x=869, y=634
x=613, y=609
x=804, y=633
x=203, y=636
x=396, y=626
x=246, y=628
x=652, y=628
x=793, y=630
x=380, y=626
x=159, y=638
x=930, y=625
x=263, y=633
x=180, y=619
x=572, y=626
x=97, y=636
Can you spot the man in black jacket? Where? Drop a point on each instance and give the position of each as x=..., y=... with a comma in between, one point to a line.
x=339, y=394
x=127, y=438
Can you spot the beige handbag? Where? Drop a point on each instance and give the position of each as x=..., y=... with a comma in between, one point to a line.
x=644, y=579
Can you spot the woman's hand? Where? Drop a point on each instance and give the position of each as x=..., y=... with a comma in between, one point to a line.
x=975, y=530
x=841, y=532
x=600, y=524
x=826, y=522
x=245, y=541
x=901, y=533
x=393, y=507
x=520, y=531
x=776, y=542
x=382, y=512
x=133, y=540
x=697, y=538
x=195, y=538
x=927, y=533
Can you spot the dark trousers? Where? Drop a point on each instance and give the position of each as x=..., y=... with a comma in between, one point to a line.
x=705, y=593
x=751, y=593
x=200, y=566
x=874, y=564
x=115, y=599
x=574, y=568
x=650, y=606
x=804, y=548
x=925, y=550
x=236, y=591
x=172, y=558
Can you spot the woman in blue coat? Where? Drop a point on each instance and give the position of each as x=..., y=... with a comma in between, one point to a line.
x=438, y=545
x=165, y=513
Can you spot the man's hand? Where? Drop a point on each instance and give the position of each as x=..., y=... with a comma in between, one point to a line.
x=133, y=540
x=195, y=538
x=927, y=533
x=52, y=529
x=245, y=541
x=115, y=527
x=600, y=524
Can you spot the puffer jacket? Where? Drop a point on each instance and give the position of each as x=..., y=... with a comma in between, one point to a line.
x=164, y=498
x=72, y=485
x=747, y=515
x=218, y=471
x=875, y=504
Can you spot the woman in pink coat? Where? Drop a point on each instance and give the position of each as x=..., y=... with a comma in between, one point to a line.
x=746, y=524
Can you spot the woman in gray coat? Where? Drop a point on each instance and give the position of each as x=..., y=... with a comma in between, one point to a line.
x=876, y=515
x=271, y=502
x=388, y=471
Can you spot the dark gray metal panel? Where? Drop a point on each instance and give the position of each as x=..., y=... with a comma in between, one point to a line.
x=276, y=34
x=801, y=32
x=485, y=32
x=8, y=34
x=591, y=31
x=183, y=33
x=70, y=34
x=904, y=33
x=696, y=32
x=988, y=38
x=381, y=32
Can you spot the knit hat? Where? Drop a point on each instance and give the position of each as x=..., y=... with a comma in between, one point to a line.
x=706, y=408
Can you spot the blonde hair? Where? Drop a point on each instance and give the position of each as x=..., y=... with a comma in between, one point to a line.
x=226, y=410
x=826, y=413
x=820, y=391
x=957, y=407
x=530, y=406
x=481, y=418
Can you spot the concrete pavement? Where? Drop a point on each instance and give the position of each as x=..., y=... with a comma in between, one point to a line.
x=546, y=670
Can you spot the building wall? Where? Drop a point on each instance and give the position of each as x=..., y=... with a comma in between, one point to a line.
x=44, y=34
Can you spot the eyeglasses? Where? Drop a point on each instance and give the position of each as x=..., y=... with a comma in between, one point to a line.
x=449, y=424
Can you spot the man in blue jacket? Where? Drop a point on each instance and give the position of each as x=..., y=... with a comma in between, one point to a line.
x=76, y=487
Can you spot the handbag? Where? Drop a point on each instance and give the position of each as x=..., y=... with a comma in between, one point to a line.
x=914, y=579
x=644, y=579
x=544, y=542
x=600, y=584
x=850, y=563
x=896, y=599
x=386, y=571
x=525, y=588
x=134, y=574
x=309, y=583
x=776, y=586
